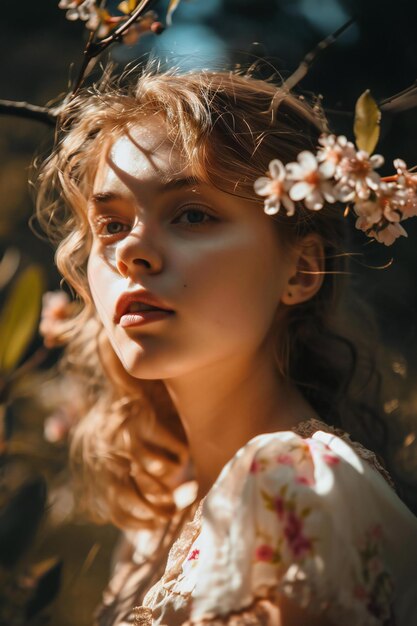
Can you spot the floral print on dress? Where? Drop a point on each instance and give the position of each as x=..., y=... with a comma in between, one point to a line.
x=374, y=588
x=292, y=536
x=295, y=540
x=296, y=517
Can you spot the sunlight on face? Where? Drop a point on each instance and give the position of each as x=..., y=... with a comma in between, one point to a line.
x=213, y=258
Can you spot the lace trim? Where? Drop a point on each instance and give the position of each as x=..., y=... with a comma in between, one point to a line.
x=259, y=613
x=176, y=557
x=308, y=427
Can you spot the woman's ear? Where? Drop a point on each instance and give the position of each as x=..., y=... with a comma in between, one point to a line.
x=308, y=271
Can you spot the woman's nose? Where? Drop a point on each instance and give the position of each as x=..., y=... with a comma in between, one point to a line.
x=137, y=253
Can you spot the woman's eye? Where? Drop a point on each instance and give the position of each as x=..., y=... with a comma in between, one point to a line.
x=193, y=217
x=106, y=227
x=113, y=228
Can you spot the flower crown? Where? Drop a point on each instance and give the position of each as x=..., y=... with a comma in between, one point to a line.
x=339, y=172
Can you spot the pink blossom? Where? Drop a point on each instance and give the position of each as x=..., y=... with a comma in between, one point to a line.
x=303, y=480
x=407, y=181
x=334, y=149
x=56, y=427
x=140, y=28
x=255, y=466
x=264, y=553
x=369, y=211
x=279, y=506
x=293, y=532
x=389, y=234
x=56, y=307
x=285, y=459
x=78, y=9
x=331, y=459
x=194, y=554
x=357, y=174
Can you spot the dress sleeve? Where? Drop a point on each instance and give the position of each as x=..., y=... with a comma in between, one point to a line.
x=305, y=519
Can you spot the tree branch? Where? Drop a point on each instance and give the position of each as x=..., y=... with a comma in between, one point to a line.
x=94, y=48
x=311, y=56
x=29, y=111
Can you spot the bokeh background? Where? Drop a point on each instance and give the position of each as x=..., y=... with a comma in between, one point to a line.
x=40, y=51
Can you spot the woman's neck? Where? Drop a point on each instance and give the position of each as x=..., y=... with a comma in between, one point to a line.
x=228, y=404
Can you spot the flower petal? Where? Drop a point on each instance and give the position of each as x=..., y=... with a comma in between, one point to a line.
x=399, y=164
x=294, y=171
x=288, y=204
x=277, y=169
x=308, y=161
x=300, y=190
x=262, y=186
x=373, y=179
x=327, y=169
x=329, y=192
x=272, y=206
x=314, y=201
x=377, y=160
x=389, y=234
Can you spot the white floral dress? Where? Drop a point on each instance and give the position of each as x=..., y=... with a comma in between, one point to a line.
x=308, y=518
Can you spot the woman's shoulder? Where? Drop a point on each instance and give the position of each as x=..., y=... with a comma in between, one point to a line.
x=312, y=441
x=308, y=428
x=303, y=514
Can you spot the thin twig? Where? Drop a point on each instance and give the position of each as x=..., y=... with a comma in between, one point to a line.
x=405, y=99
x=94, y=48
x=311, y=56
x=45, y=115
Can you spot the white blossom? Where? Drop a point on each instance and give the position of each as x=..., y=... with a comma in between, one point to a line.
x=311, y=181
x=84, y=10
x=407, y=182
x=334, y=149
x=356, y=175
x=339, y=172
x=275, y=187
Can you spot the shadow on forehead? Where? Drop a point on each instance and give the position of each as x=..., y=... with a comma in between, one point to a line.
x=168, y=181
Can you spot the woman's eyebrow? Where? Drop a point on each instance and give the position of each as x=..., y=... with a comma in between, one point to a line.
x=172, y=184
x=104, y=197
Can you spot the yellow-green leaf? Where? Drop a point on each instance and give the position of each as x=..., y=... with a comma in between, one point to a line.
x=9, y=265
x=127, y=6
x=19, y=317
x=124, y=7
x=366, y=125
x=173, y=4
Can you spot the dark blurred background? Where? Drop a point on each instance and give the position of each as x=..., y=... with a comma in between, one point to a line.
x=40, y=51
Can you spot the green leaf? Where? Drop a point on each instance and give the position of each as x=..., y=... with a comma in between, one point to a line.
x=366, y=124
x=173, y=5
x=19, y=317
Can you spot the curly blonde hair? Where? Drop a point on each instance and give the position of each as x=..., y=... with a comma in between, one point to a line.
x=130, y=443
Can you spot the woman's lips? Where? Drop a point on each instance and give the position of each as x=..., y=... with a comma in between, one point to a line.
x=140, y=318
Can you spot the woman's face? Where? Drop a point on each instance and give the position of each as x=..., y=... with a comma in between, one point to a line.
x=213, y=258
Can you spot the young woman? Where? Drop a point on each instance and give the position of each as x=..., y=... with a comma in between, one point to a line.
x=209, y=348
